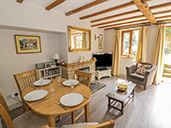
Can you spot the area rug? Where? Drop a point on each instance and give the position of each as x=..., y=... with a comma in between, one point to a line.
x=96, y=86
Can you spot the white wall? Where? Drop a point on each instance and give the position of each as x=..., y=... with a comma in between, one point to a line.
x=17, y=18
x=109, y=40
x=152, y=31
x=27, y=15
x=13, y=63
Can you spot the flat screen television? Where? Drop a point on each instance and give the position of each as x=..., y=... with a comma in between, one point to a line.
x=103, y=60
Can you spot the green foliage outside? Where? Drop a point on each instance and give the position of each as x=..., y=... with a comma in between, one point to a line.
x=167, y=48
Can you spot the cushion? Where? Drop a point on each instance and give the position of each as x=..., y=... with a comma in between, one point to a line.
x=142, y=68
x=141, y=77
x=30, y=120
x=78, y=125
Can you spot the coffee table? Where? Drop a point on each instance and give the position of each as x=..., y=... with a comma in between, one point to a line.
x=123, y=98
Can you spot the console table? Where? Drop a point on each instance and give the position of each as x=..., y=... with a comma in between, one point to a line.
x=103, y=73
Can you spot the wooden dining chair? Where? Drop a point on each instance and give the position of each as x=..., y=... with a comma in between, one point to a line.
x=25, y=80
x=107, y=124
x=83, y=77
x=26, y=120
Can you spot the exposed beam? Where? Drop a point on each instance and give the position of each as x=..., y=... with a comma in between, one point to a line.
x=161, y=6
x=122, y=23
x=20, y=1
x=145, y=9
x=127, y=26
x=94, y=3
x=108, y=10
x=161, y=17
x=168, y=20
x=135, y=11
x=130, y=18
x=54, y=4
x=117, y=15
x=114, y=21
x=162, y=12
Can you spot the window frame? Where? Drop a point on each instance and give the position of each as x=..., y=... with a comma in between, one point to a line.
x=130, y=43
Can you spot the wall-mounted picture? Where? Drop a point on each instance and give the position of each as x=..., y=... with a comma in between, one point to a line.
x=100, y=41
x=27, y=44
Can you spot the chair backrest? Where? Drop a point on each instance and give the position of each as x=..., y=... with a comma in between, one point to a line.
x=5, y=113
x=83, y=77
x=108, y=124
x=25, y=80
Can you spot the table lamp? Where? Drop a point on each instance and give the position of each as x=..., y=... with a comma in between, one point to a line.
x=56, y=58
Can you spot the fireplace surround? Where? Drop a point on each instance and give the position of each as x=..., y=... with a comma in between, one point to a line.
x=68, y=69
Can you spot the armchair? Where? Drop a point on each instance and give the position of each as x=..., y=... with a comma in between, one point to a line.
x=145, y=79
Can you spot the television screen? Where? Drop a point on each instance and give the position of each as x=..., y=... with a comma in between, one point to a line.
x=103, y=60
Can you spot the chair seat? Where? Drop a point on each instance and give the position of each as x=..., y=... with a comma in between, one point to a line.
x=30, y=120
x=135, y=75
x=78, y=125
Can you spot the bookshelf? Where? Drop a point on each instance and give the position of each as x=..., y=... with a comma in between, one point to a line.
x=49, y=73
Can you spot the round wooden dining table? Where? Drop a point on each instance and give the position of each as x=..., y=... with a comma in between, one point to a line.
x=48, y=107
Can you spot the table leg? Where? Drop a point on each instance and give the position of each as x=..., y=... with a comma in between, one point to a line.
x=86, y=108
x=108, y=103
x=122, y=107
x=73, y=117
x=51, y=121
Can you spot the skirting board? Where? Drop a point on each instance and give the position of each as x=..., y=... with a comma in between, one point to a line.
x=15, y=105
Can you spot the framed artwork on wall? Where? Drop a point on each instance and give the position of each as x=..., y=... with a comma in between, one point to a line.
x=100, y=41
x=27, y=44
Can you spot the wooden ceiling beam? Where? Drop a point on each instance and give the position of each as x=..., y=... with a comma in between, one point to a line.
x=108, y=10
x=145, y=9
x=162, y=12
x=135, y=11
x=122, y=23
x=20, y=1
x=161, y=17
x=54, y=4
x=161, y=6
x=127, y=26
x=114, y=21
x=130, y=18
x=168, y=20
x=94, y=3
x=117, y=15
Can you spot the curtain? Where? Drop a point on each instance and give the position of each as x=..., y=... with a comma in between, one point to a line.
x=116, y=53
x=142, y=44
x=158, y=53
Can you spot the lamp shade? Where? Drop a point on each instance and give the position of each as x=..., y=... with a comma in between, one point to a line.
x=55, y=56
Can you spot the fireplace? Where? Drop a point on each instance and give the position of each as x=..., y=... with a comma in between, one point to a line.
x=68, y=69
x=86, y=69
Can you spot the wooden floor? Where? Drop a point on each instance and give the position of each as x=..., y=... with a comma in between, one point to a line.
x=148, y=109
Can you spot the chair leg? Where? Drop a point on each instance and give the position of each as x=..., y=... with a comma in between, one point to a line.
x=73, y=117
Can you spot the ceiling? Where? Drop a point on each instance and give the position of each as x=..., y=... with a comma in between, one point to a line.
x=69, y=5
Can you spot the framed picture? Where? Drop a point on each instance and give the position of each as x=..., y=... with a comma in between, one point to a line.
x=100, y=41
x=27, y=44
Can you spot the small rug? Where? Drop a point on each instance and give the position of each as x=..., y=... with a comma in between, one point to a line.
x=95, y=86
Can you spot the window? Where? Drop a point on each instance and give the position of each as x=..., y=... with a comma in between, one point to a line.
x=129, y=43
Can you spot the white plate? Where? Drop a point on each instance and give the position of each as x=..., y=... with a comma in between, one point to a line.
x=71, y=99
x=35, y=95
x=69, y=82
x=45, y=82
